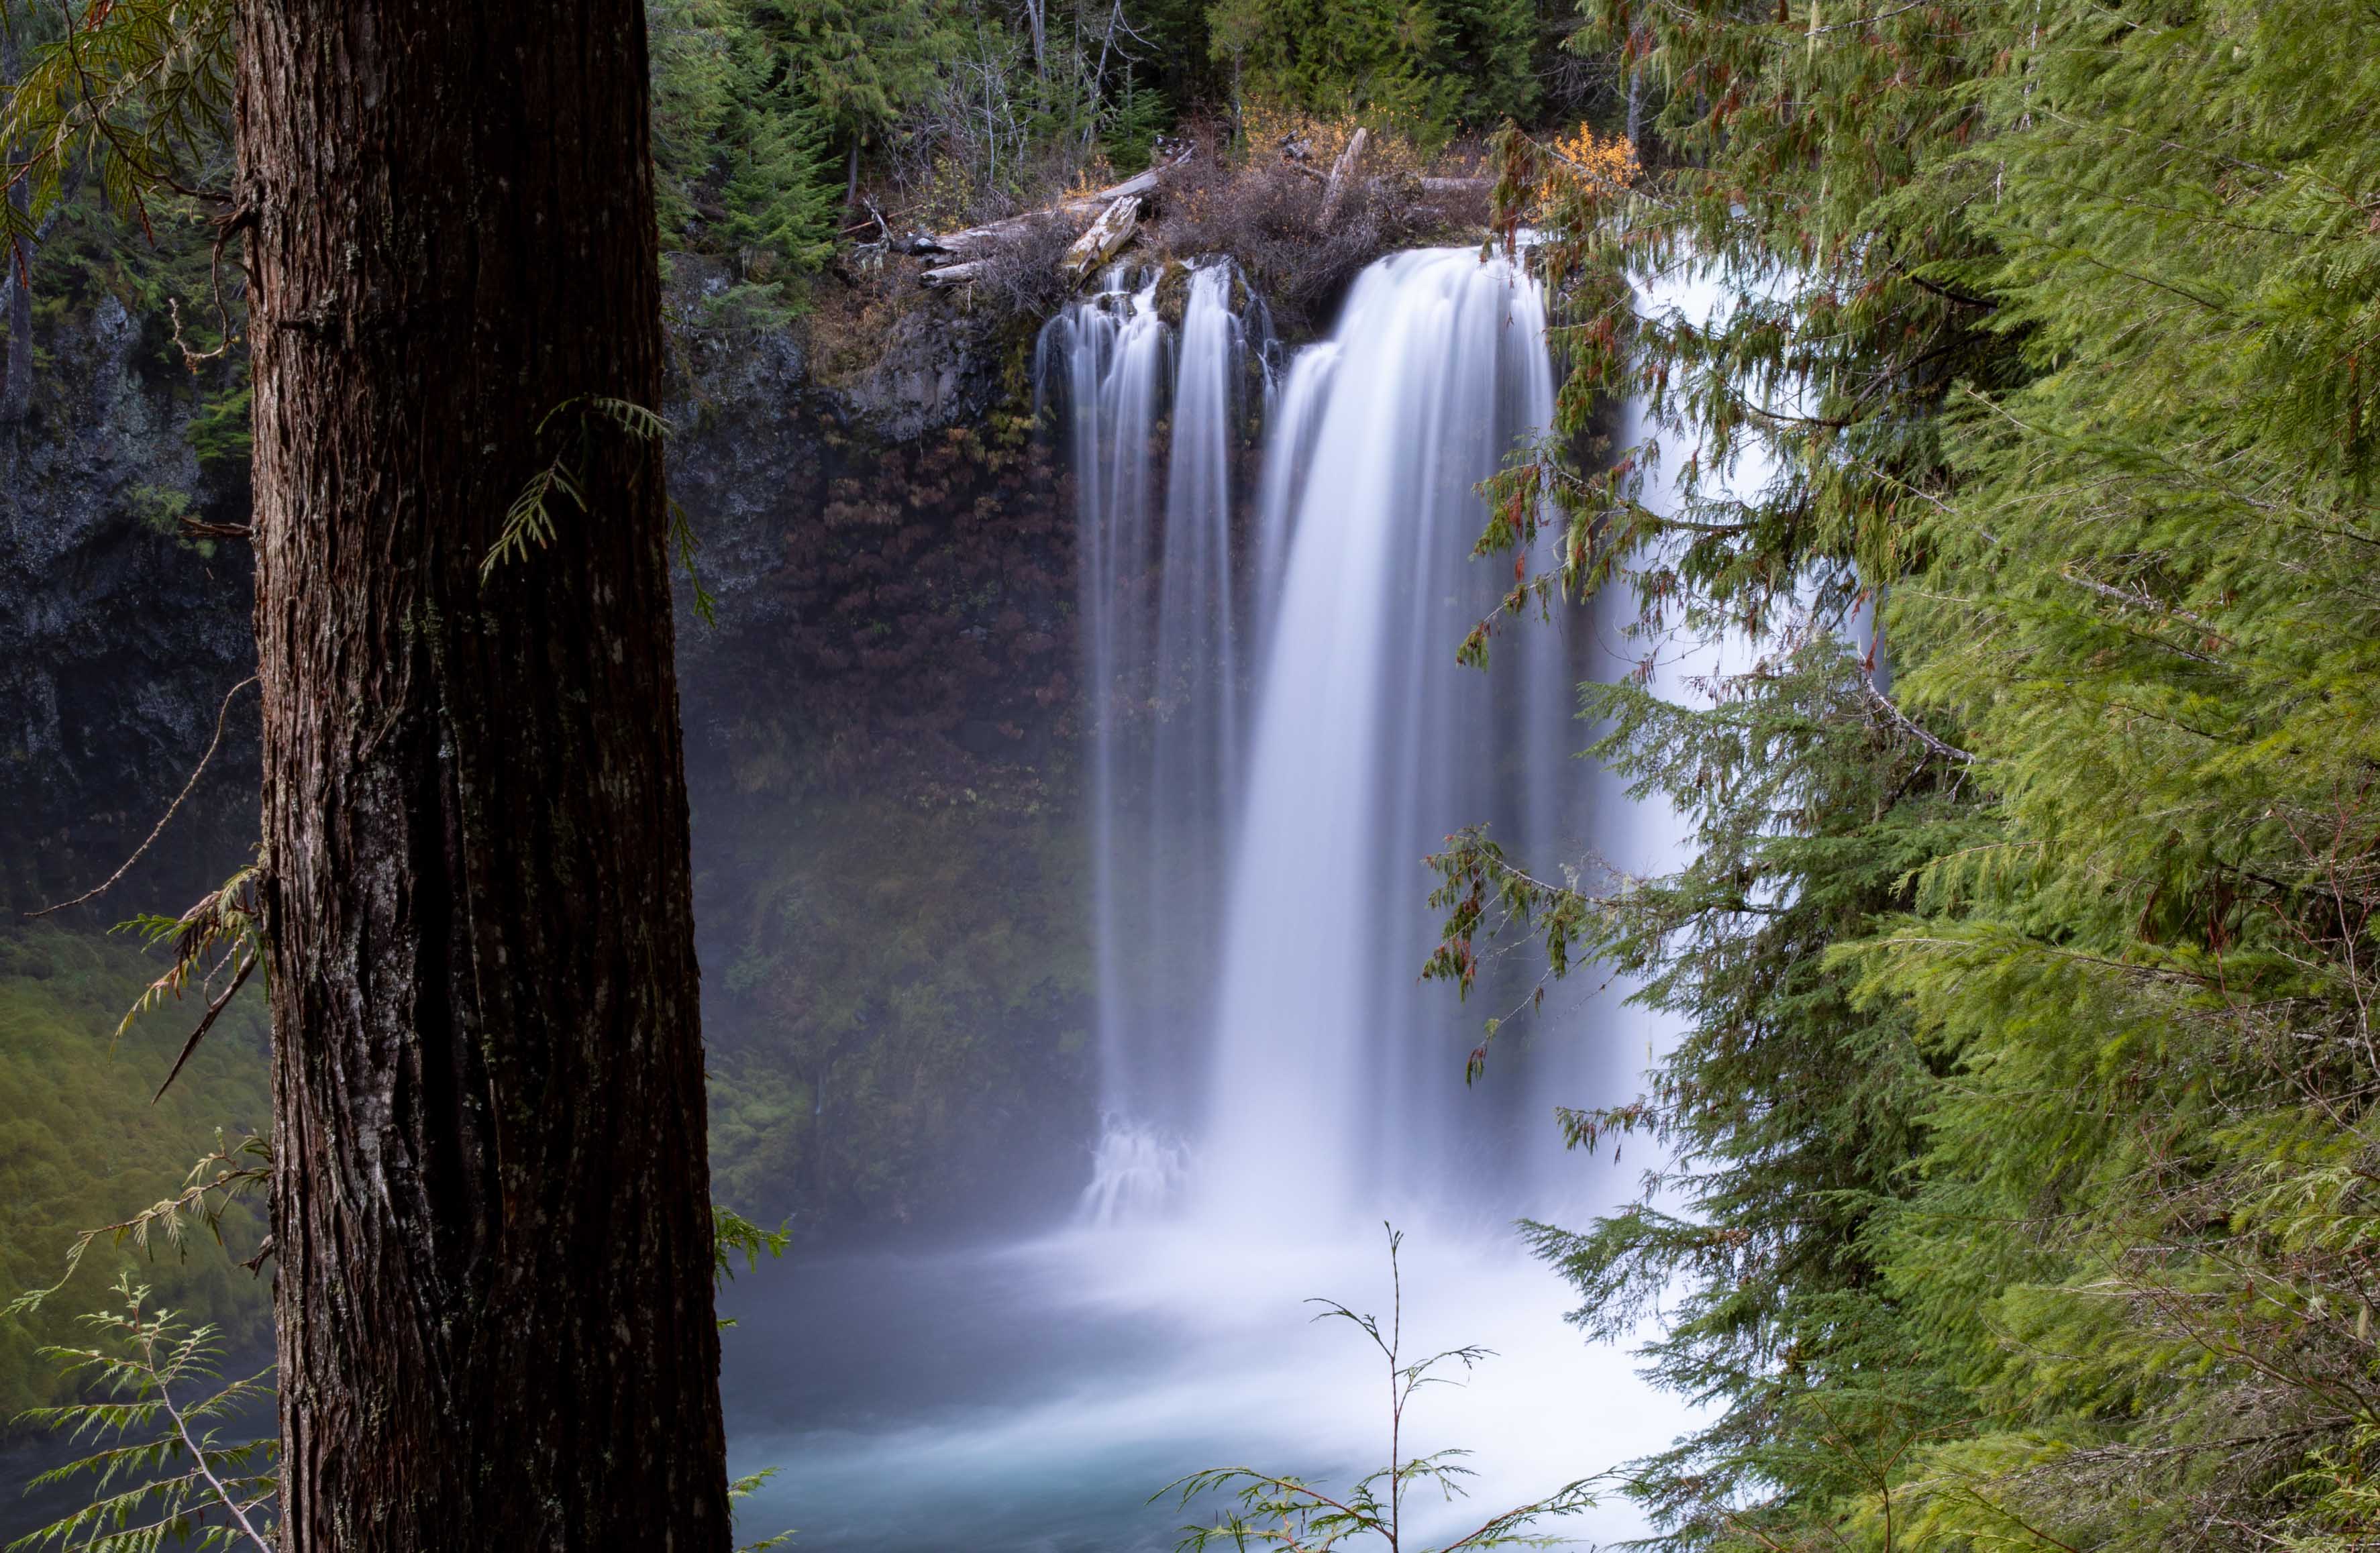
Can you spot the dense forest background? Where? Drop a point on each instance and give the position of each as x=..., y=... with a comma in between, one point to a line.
x=2017, y=1178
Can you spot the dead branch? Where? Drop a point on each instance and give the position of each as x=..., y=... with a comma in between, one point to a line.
x=974, y=240
x=1343, y=174
x=1107, y=238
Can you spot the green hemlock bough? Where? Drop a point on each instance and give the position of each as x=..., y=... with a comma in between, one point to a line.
x=2020, y=1154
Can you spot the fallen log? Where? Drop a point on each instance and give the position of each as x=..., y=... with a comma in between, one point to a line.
x=949, y=276
x=993, y=234
x=1107, y=238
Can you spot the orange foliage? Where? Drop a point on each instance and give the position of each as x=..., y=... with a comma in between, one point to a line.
x=1584, y=163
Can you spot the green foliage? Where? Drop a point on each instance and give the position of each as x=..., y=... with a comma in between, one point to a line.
x=862, y=62
x=529, y=522
x=1140, y=115
x=779, y=190
x=230, y=1173
x=221, y=937
x=744, y=1488
x=732, y=1235
x=160, y=509
x=1296, y=1517
x=162, y=1473
x=136, y=92
x=80, y=1143
x=1786, y=1116
x=1422, y=67
x=2022, y=1125
x=219, y=432
x=741, y=150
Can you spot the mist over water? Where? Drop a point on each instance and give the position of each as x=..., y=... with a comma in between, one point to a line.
x=1278, y=734
x=1036, y=1397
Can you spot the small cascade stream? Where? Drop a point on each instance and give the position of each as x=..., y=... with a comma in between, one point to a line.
x=1155, y=416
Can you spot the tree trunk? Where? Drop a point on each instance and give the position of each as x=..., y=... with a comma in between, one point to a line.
x=491, y=1212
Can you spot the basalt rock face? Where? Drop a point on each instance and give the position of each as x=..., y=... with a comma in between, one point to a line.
x=885, y=697
x=119, y=638
x=880, y=741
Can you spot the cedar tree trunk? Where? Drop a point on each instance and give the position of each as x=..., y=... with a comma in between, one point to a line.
x=490, y=1214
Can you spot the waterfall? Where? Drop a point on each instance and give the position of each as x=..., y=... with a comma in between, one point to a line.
x=1336, y=1081
x=1160, y=610
x=1275, y=733
x=1268, y=1045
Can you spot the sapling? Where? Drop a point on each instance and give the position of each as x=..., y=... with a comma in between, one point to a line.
x=1269, y=1509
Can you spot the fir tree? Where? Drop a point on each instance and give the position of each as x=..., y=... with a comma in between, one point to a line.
x=1423, y=65
x=859, y=63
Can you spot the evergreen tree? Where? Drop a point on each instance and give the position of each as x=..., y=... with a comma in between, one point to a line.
x=1786, y=1115
x=2052, y=321
x=1424, y=66
x=492, y=1229
x=859, y=63
x=744, y=170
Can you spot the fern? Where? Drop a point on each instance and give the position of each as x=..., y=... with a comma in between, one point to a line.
x=162, y=1471
x=530, y=521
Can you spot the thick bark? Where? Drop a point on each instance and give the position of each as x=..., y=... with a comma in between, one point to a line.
x=490, y=1214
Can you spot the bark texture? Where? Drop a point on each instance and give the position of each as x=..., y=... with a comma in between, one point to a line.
x=492, y=1215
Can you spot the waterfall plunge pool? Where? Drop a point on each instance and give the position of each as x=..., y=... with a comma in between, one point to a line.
x=1031, y=1398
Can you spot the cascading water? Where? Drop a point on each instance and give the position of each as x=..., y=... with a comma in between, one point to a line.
x=1334, y=1076
x=1267, y=1011
x=1264, y=774
x=1160, y=595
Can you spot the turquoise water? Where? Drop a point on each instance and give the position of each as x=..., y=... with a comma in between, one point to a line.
x=1035, y=1397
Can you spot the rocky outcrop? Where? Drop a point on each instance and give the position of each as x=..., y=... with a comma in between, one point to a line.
x=119, y=638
